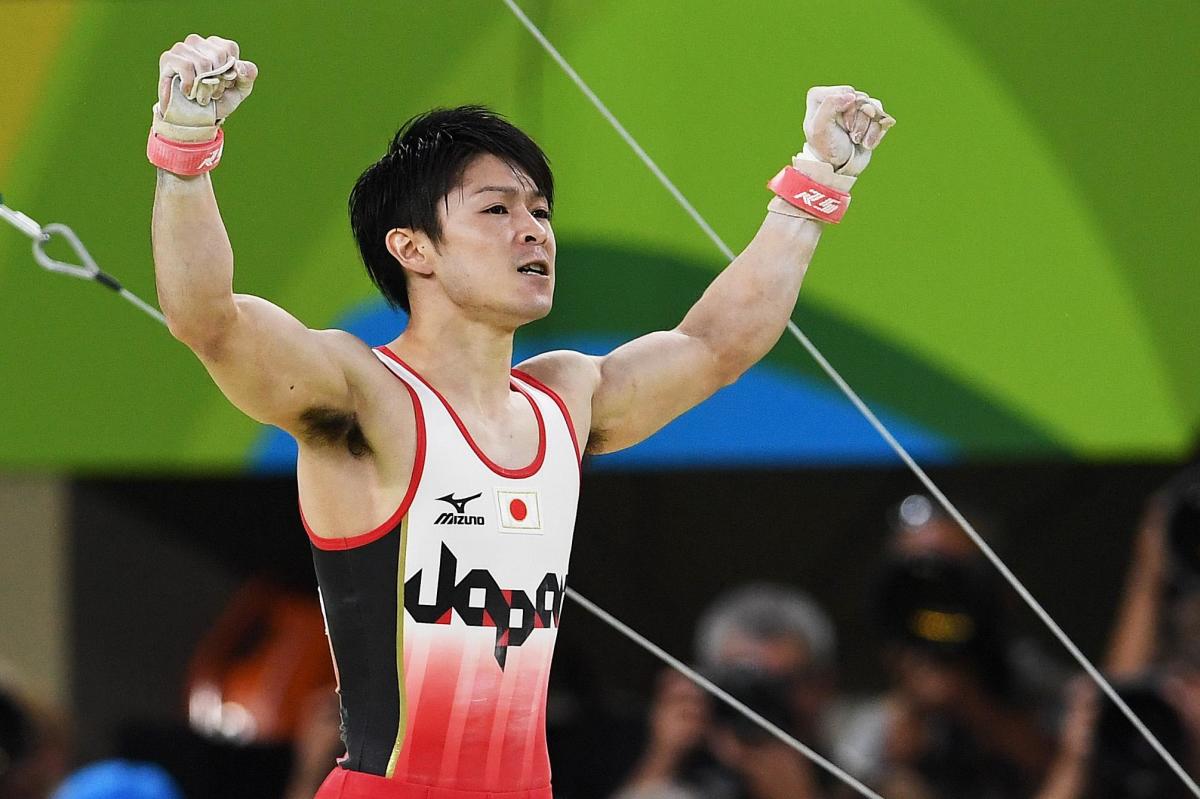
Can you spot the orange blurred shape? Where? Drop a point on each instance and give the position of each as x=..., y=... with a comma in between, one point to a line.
x=257, y=670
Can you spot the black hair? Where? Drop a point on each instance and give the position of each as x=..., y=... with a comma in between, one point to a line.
x=424, y=162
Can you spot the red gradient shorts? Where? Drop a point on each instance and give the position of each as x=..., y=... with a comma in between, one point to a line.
x=345, y=784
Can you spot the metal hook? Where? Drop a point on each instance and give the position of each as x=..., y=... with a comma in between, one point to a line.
x=88, y=271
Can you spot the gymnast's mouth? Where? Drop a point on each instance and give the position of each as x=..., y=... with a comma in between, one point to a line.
x=534, y=268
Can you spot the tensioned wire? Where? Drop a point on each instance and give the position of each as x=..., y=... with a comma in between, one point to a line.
x=858, y=403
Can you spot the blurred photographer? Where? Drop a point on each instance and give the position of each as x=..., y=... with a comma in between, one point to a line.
x=960, y=717
x=772, y=648
x=1155, y=656
x=955, y=722
x=1157, y=635
x=1159, y=618
x=1102, y=756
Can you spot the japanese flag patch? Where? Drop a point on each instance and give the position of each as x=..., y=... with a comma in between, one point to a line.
x=519, y=511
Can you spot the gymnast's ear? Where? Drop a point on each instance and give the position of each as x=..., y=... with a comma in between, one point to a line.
x=411, y=248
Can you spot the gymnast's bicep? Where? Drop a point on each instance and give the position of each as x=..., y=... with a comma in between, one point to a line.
x=274, y=369
x=646, y=383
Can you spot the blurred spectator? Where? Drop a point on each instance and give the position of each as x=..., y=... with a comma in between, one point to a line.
x=119, y=779
x=252, y=675
x=33, y=748
x=1157, y=635
x=960, y=718
x=1159, y=617
x=1155, y=658
x=1102, y=756
x=771, y=647
x=262, y=711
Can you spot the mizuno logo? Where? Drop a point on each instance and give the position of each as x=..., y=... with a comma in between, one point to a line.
x=460, y=505
x=460, y=511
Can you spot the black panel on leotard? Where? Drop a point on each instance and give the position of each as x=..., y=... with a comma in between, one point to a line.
x=358, y=589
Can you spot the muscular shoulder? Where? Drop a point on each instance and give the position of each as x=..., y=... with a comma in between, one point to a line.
x=564, y=370
x=363, y=371
x=574, y=377
x=346, y=346
x=371, y=405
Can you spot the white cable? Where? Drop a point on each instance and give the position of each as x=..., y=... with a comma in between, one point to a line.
x=88, y=270
x=841, y=383
x=720, y=693
x=612, y=120
x=21, y=222
x=145, y=306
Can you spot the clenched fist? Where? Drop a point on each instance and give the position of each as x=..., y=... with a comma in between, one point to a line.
x=843, y=126
x=201, y=82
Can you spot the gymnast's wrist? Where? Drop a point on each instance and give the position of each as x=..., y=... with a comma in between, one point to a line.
x=779, y=207
x=810, y=188
x=184, y=158
x=808, y=196
x=184, y=150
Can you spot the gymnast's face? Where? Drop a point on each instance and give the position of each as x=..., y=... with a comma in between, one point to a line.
x=495, y=260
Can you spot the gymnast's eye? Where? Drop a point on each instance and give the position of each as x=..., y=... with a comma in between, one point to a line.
x=541, y=213
x=496, y=209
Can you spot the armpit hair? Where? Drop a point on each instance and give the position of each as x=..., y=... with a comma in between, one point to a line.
x=332, y=427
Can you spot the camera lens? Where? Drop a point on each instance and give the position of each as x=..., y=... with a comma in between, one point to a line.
x=767, y=694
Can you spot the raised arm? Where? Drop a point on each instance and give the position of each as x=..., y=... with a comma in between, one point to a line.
x=643, y=385
x=1134, y=644
x=265, y=361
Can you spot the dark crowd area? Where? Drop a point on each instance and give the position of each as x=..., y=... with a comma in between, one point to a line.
x=843, y=606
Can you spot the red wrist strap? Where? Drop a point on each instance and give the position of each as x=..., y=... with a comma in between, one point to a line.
x=185, y=158
x=815, y=199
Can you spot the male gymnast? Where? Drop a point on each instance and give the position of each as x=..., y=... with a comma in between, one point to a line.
x=438, y=484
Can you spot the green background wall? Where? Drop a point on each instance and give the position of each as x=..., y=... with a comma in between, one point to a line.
x=1016, y=278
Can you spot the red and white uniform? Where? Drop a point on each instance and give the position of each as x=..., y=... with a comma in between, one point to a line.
x=448, y=678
